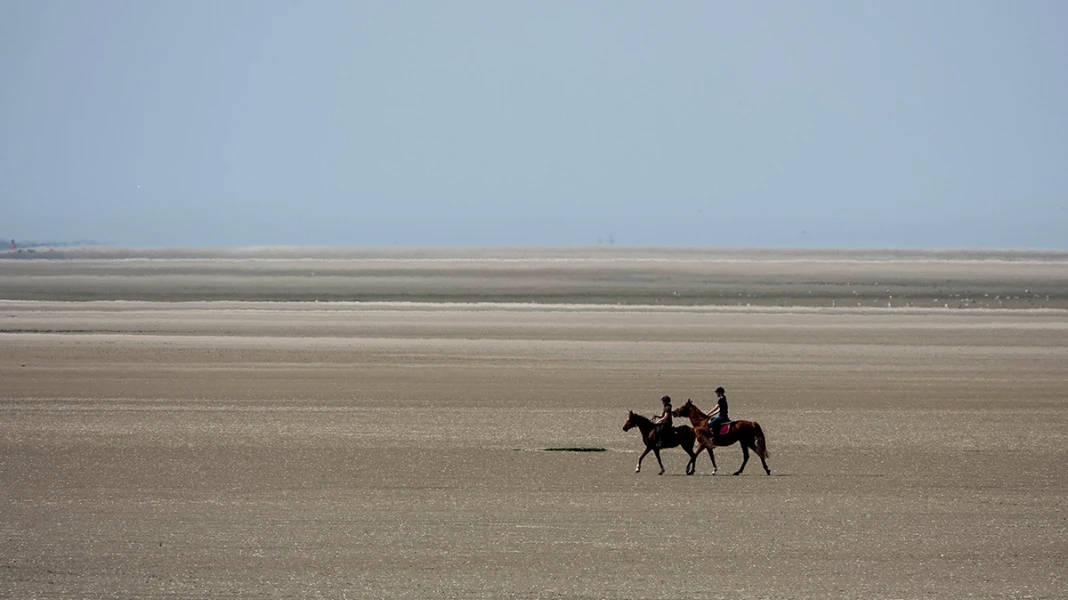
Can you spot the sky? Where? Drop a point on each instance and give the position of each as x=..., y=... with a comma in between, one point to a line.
x=908, y=124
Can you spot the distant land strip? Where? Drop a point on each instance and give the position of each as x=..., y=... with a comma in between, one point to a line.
x=839, y=279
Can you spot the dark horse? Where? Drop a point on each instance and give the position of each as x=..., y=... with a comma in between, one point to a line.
x=682, y=436
x=747, y=433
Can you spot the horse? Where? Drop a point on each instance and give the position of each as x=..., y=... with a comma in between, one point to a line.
x=682, y=436
x=747, y=433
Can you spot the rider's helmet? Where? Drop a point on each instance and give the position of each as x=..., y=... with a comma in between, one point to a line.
x=720, y=390
x=666, y=400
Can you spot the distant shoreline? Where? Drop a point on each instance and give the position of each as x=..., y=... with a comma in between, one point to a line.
x=593, y=252
x=880, y=279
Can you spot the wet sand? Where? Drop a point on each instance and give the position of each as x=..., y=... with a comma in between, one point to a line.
x=385, y=449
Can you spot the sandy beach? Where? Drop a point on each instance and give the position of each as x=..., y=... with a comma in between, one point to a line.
x=358, y=424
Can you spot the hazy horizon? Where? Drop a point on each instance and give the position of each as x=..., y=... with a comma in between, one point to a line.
x=794, y=125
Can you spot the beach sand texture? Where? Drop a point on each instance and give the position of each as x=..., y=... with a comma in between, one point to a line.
x=290, y=423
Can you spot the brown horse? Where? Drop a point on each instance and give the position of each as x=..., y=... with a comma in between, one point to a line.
x=747, y=433
x=682, y=436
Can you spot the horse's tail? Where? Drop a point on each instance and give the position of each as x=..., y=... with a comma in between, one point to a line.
x=761, y=443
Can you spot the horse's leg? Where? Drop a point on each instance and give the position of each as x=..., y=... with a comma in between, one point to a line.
x=691, y=467
x=767, y=469
x=705, y=443
x=638, y=469
x=745, y=458
x=656, y=452
x=700, y=448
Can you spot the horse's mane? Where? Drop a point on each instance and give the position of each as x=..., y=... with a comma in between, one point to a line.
x=700, y=412
x=641, y=418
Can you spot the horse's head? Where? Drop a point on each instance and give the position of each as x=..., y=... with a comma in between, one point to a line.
x=630, y=421
x=685, y=410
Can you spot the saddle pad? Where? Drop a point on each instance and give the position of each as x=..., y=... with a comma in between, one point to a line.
x=726, y=427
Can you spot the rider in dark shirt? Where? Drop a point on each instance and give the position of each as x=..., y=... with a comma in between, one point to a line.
x=663, y=422
x=721, y=416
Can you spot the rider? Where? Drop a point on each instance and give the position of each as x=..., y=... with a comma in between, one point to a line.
x=720, y=412
x=663, y=422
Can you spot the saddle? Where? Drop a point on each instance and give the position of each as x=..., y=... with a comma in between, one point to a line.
x=723, y=429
